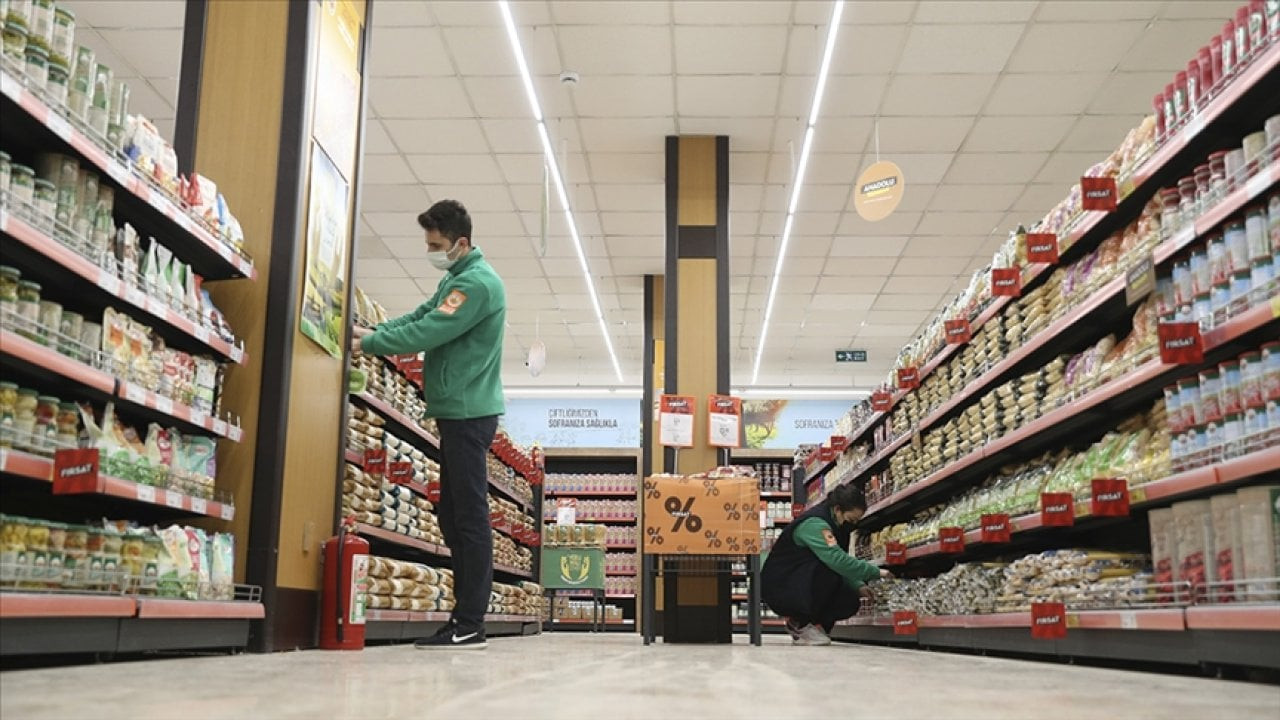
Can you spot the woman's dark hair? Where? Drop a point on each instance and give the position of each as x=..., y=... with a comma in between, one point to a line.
x=447, y=217
x=847, y=497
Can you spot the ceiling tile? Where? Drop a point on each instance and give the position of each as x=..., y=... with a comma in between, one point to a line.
x=958, y=48
x=456, y=169
x=625, y=96
x=648, y=197
x=947, y=246
x=982, y=167
x=750, y=134
x=974, y=197
x=372, y=248
x=733, y=95
x=1099, y=133
x=975, y=12
x=1018, y=134
x=1099, y=11
x=959, y=223
x=918, y=168
x=934, y=95
x=437, y=136
x=627, y=168
x=848, y=95
x=573, y=12
x=615, y=49
x=847, y=284
x=500, y=96
x=822, y=198
x=1040, y=198
x=388, y=198
x=1167, y=45
x=1128, y=92
x=1056, y=47
x=921, y=134
x=951, y=266
x=386, y=170
x=845, y=302
x=151, y=52
x=407, y=51
x=860, y=49
x=899, y=223
x=1044, y=93
x=718, y=49
x=632, y=135
x=372, y=269
x=862, y=248
x=1065, y=168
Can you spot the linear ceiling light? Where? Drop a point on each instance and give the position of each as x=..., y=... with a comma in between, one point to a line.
x=798, y=182
x=518, y=50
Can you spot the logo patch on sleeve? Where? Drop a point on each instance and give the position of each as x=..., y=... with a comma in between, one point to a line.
x=829, y=537
x=452, y=302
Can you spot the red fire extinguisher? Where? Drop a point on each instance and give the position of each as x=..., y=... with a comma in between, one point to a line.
x=344, y=598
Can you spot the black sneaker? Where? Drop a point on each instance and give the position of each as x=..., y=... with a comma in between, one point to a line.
x=451, y=636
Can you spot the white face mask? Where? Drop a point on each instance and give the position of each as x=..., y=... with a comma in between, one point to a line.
x=442, y=260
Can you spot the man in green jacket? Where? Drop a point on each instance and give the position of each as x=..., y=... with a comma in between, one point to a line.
x=460, y=330
x=809, y=577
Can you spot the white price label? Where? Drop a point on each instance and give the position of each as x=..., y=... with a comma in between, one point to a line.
x=201, y=333
x=4, y=460
x=220, y=426
x=159, y=201
x=157, y=308
x=10, y=86
x=1259, y=183
x=136, y=297
x=200, y=505
x=146, y=493
x=1128, y=620
x=4, y=220
x=120, y=174
x=237, y=354
x=235, y=433
x=109, y=282
x=135, y=393
x=227, y=512
x=59, y=125
x=164, y=404
x=198, y=417
x=173, y=500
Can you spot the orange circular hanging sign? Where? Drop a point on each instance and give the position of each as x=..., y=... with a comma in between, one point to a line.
x=879, y=191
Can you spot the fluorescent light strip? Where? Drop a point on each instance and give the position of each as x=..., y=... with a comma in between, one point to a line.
x=798, y=182
x=518, y=50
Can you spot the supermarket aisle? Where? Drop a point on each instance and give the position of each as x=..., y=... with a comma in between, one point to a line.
x=567, y=676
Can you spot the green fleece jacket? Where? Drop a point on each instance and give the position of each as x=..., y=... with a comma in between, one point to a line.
x=855, y=572
x=460, y=330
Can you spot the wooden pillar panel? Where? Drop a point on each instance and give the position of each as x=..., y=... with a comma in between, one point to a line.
x=698, y=352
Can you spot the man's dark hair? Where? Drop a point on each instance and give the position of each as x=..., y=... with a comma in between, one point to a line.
x=847, y=497
x=447, y=217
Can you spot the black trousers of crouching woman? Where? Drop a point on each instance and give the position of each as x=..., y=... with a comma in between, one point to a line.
x=463, y=512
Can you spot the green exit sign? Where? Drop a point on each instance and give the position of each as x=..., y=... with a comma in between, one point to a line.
x=851, y=356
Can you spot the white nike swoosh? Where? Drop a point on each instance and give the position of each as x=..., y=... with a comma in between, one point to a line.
x=463, y=638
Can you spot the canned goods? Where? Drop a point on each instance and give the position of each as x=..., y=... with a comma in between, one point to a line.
x=1257, y=242
x=45, y=199
x=37, y=64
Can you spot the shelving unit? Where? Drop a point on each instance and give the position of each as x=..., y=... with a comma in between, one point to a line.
x=65, y=620
x=884, y=433
x=597, y=474
x=775, y=469
x=404, y=625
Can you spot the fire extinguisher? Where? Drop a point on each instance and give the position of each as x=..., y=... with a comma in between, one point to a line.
x=345, y=595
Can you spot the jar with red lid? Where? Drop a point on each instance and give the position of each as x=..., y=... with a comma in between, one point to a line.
x=1193, y=86
x=1204, y=185
x=1217, y=174
x=1215, y=59
x=1187, y=198
x=1170, y=211
x=1180, y=107
x=1243, y=50
x=1257, y=26
x=1229, y=53
x=1157, y=104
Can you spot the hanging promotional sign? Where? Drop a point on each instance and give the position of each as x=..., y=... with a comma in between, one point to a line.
x=879, y=191
x=724, y=421
x=1098, y=193
x=1042, y=248
x=675, y=424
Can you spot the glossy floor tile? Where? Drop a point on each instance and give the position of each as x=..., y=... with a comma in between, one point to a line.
x=571, y=675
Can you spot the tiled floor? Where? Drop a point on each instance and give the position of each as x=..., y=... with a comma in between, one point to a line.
x=573, y=675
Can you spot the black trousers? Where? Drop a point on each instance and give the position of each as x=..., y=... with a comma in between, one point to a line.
x=829, y=600
x=463, y=512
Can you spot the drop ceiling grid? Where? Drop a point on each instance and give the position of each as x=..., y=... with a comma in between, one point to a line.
x=1022, y=106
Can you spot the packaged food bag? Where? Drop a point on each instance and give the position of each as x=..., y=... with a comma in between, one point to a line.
x=222, y=557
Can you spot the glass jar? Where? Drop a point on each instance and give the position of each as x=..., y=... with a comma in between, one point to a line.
x=1219, y=260
x=45, y=199
x=50, y=321
x=15, y=40
x=22, y=183
x=1205, y=60
x=28, y=309
x=1157, y=105
x=71, y=325
x=41, y=25
x=19, y=14
x=9, y=279
x=1255, y=230
x=62, y=48
x=1237, y=245
x=1229, y=54
x=1193, y=86
x=8, y=410
x=24, y=418
x=1218, y=174
x=1204, y=184
x=46, y=424
x=1201, y=276
x=56, y=83
x=1171, y=118
x=1187, y=198
x=68, y=424
x=1180, y=106
x=1243, y=49
x=37, y=59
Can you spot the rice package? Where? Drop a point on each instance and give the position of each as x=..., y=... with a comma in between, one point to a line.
x=176, y=576
x=222, y=563
x=1260, y=539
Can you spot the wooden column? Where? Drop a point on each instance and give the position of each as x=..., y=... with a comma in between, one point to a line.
x=246, y=99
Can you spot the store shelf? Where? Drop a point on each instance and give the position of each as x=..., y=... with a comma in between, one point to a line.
x=621, y=573
x=32, y=353
x=1234, y=617
x=399, y=418
x=623, y=546
x=58, y=605
x=37, y=241
x=512, y=571
x=167, y=608
x=576, y=621
x=587, y=594
x=591, y=493
x=396, y=538
x=581, y=519
x=137, y=395
x=771, y=622
x=1266, y=460
x=507, y=531
x=212, y=258
x=353, y=457
x=511, y=494
x=24, y=464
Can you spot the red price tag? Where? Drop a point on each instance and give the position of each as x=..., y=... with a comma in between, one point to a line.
x=895, y=553
x=958, y=332
x=75, y=471
x=996, y=528
x=1057, y=509
x=908, y=378
x=375, y=462
x=535, y=540
x=1110, y=497
x=839, y=443
x=1006, y=282
x=905, y=622
x=1042, y=248
x=881, y=401
x=1048, y=620
x=797, y=509
x=1098, y=193
x=433, y=491
x=826, y=454
x=1180, y=343
x=498, y=520
x=400, y=473
x=951, y=539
